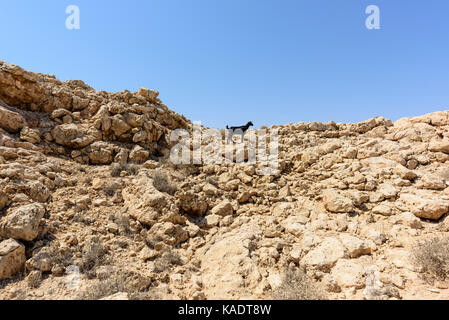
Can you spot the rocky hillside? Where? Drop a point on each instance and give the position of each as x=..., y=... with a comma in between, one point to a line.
x=91, y=207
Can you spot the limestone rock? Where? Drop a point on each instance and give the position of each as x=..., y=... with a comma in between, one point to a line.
x=354, y=246
x=10, y=121
x=223, y=209
x=227, y=267
x=12, y=258
x=348, y=273
x=22, y=223
x=439, y=145
x=30, y=135
x=325, y=255
x=335, y=202
x=149, y=95
x=43, y=259
x=424, y=204
x=100, y=153
x=192, y=204
x=139, y=154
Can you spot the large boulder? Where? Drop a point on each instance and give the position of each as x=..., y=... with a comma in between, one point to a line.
x=43, y=259
x=354, y=246
x=170, y=233
x=432, y=181
x=23, y=223
x=38, y=191
x=149, y=95
x=30, y=135
x=119, y=125
x=12, y=258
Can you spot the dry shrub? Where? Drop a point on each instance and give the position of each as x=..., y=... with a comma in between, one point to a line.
x=117, y=282
x=132, y=169
x=122, y=221
x=129, y=168
x=34, y=279
x=104, y=288
x=109, y=191
x=432, y=257
x=162, y=182
x=146, y=295
x=167, y=260
x=297, y=285
x=93, y=257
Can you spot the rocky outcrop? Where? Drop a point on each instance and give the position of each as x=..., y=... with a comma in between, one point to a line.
x=86, y=188
x=75, y=116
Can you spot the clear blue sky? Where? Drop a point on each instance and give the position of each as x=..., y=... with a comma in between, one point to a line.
x=229, y=61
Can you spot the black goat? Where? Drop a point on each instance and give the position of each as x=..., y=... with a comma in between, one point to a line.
x=238, y=130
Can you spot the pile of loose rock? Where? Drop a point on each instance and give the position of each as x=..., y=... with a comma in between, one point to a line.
x=86, y=184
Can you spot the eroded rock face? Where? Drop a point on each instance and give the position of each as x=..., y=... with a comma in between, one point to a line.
x=77, y=188
x=12, y=258
x=227, y=266
x=75, y=116
x=144, y=202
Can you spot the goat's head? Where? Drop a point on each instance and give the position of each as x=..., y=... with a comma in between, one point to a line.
x=250, y=124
